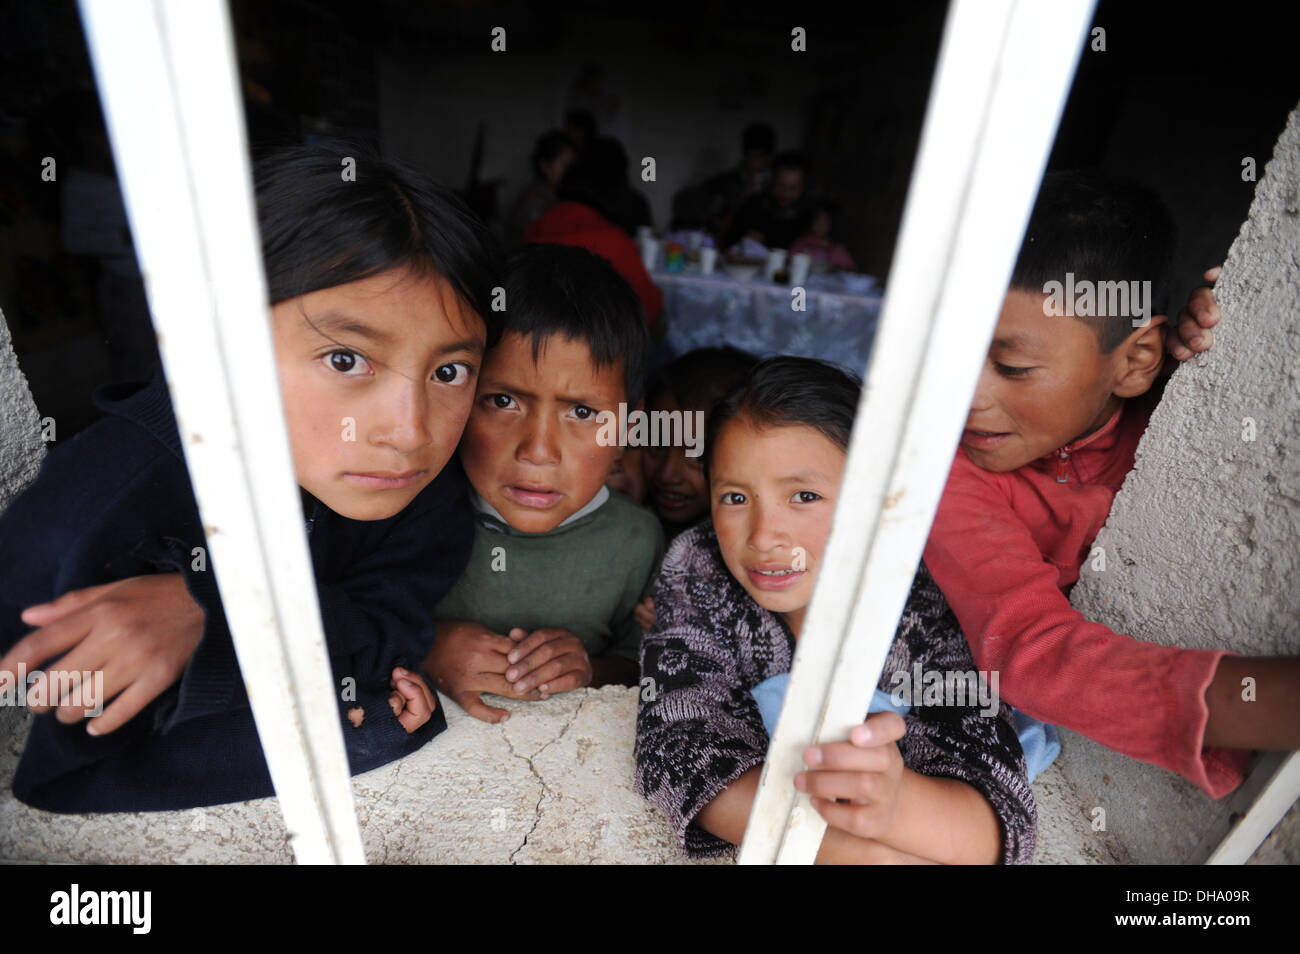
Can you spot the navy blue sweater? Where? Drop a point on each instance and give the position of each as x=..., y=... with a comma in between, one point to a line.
x=116, y=502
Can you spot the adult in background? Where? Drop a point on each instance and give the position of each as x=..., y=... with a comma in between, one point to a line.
x=782, y=213
x=581, y=217
x=552, y=155
x=714, y=203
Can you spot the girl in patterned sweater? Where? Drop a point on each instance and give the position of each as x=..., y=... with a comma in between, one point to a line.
x=943, y=784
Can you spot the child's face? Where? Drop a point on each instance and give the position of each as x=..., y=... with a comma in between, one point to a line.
x=676, y=483
x=627, y=474
x=530, y=447
x=773, y=496
x=377, y=378
x=1045, y=384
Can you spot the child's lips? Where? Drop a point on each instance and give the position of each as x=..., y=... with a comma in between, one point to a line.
x=539, y=498
x=671, y=500
x=773, y=576
x=384, y=479
x=983, y=440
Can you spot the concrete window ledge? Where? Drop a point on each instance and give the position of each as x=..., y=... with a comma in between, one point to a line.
x=552, y=785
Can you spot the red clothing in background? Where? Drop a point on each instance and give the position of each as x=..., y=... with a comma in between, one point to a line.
x=571, y=223
x=1006, y=548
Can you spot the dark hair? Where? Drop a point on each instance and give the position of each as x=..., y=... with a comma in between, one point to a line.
x=790, y=160
x=758, y=136
x=1100, y=230
x=548, y=146
x=583, y=121
x=567, y=290
x=698, y=379
x=785, y=391
x=596, y=177
x=320, y=230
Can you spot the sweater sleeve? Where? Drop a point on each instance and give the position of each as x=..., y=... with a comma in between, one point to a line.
x=1141, y=699
x=963, y=742
x=697, y=729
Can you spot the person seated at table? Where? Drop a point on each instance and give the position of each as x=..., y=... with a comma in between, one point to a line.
x=587, y=193
x=778, y=216
x=580, y=127
x=818, y=241
x=626, y=207
x=553, y=153
x=713, y=203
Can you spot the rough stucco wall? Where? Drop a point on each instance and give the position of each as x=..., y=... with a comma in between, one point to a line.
x=551, y=785
x=1201, y=545
x=21, y=448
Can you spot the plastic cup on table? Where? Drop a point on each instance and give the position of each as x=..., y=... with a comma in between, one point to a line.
x=799, y=266
x=775, y=262
x=649, y=252
x=708, y=260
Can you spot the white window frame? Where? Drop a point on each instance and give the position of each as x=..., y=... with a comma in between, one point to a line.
x=170, y=92
x=169, y=86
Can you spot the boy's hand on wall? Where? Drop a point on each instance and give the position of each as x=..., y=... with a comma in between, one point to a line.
x=645, y=613
x=854, y=785
x=550, y=660
x=468, y=659
x=412, y=702
x=140, y=632
x=1192, y=333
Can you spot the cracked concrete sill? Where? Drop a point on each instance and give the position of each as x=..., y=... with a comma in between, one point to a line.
x=551, y=785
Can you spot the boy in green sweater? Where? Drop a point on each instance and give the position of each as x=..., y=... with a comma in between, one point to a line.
x=560, y=562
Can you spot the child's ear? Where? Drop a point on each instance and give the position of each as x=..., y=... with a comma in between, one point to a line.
x=1140, y=358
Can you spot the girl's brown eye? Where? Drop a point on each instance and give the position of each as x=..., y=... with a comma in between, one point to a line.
x=455, y=373
x=345, y=362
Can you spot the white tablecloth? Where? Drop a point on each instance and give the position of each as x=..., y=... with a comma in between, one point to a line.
x=710, y=310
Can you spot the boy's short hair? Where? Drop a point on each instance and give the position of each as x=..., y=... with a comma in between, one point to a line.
x=567, y=290
x=791, y=159
x=320, y=230
x=1100, y=230
x=698, y=379
x=785, y=391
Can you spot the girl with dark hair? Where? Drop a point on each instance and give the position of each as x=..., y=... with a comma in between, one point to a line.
x=940, y=783
x=379, y=285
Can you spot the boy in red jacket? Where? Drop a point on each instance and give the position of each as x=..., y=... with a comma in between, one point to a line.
x=1071, y=379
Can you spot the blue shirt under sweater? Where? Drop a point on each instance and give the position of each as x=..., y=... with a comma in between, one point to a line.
x=116, y=502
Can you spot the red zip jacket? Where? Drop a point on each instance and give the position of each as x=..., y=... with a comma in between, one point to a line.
x=1006, y=549
x=571, y=223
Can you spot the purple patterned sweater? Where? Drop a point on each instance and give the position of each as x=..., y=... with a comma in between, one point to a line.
x=711, y=644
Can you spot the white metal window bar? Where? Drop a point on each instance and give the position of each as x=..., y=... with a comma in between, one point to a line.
x=169, y=87
x=1003, y=75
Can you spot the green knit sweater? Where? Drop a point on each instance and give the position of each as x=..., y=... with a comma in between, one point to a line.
x=586, y=576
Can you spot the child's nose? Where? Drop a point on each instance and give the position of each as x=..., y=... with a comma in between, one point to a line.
x=539, y=444
x=984, y=388
x=406, y=425
x=765, y=529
